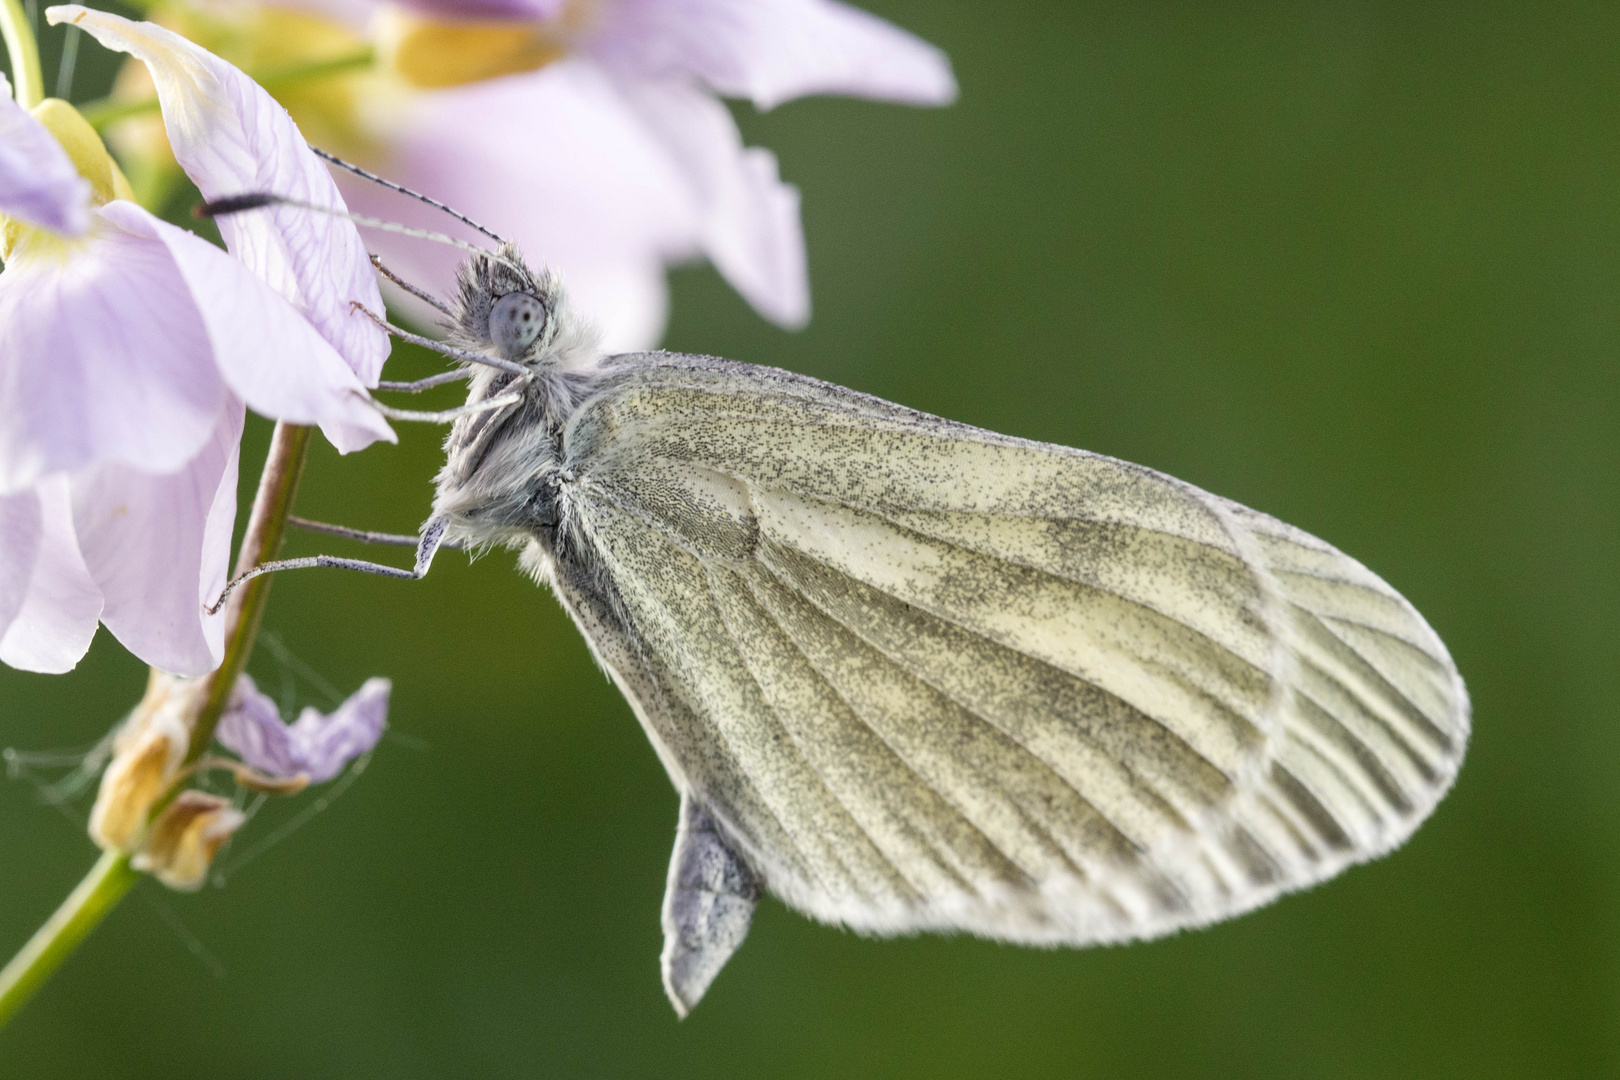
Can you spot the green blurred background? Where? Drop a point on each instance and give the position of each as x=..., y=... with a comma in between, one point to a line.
x=1354, y=264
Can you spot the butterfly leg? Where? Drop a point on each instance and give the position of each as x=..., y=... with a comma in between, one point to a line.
x=425, y=384
x=448, y=415
x=427, y=546
x=364, y=536
x=708, y=904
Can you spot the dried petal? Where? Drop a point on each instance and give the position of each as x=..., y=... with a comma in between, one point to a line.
x=146, y=757
x=316, y=745
x=186, y=837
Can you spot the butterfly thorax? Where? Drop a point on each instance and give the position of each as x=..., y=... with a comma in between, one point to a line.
x=502, y=483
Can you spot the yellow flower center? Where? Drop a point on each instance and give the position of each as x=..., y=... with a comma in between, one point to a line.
x=85, y=149
x=260, y=39
x=89, y=155
x=435, y=53
x=346, y=111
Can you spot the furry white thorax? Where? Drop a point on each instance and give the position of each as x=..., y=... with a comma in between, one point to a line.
x=498, y=479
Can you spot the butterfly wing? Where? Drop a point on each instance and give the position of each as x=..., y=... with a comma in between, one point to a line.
x=926, y=677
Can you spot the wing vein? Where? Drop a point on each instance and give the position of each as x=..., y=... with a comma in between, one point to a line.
x=832, y=790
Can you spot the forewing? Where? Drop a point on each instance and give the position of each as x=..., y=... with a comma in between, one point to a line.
x=929, y=677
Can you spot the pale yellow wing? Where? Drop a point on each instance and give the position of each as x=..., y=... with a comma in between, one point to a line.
x=926, y=677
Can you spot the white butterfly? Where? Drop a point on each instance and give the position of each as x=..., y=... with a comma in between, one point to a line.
x=910, y=675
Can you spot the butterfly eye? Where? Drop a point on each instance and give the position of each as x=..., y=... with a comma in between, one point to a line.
x=515, y=322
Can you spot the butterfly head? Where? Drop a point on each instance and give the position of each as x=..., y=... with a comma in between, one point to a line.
x=507, y=309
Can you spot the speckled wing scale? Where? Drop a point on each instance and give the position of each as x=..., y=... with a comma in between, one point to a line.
x=910, y=675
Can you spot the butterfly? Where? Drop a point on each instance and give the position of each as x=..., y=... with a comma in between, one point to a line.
x=908, y=675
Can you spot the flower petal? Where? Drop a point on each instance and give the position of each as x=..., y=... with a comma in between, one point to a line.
x=54, y=628
x=359, y=12
x=232, y=138
x=20, y=530
x=586, y=190
x=102, y=357
x=251, y=728
x=157, y=546
x=38, y=183
x=316, y=745
x=488, y=9
x=325, y=744
x=772, y=51
x=749, y=218
x=267, y=352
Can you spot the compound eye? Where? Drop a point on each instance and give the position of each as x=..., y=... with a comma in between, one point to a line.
x=515, y=322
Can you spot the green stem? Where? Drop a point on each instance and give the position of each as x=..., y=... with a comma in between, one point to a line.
x=107, y=110
x=267, y=524
x=111, y=877
x=24, y=53
x=97, y=894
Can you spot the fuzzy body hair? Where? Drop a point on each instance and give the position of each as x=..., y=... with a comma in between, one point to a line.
x=500, y=484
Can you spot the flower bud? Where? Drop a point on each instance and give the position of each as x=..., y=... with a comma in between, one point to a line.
x=186, y=837
x=147, y=754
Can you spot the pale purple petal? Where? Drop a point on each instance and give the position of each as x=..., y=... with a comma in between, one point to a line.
x=586, y=190
x=316, y=745
x=231, y=137
x=488, y=9
x=38, y=183
x=358, y=12
x=102, y=358
x=325, y=744
x=772, y=51
x=355, y=13
x=53, y=630
x=251, y=728
x=267, y=352
x=157, y=546
x=20, y=531
x=750, y=219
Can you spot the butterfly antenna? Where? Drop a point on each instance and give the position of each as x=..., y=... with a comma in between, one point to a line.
x=257, y=200
x=403, y=190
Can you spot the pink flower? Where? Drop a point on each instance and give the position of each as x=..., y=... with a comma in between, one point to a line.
x=316, y=746
x=38, y=182
x=128, y=348
x=603, y=148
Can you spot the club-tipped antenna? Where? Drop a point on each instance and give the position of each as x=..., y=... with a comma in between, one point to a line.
x=258, y=200
x=403, y=190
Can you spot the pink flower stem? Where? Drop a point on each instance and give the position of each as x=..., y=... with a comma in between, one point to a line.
x=112, y=876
